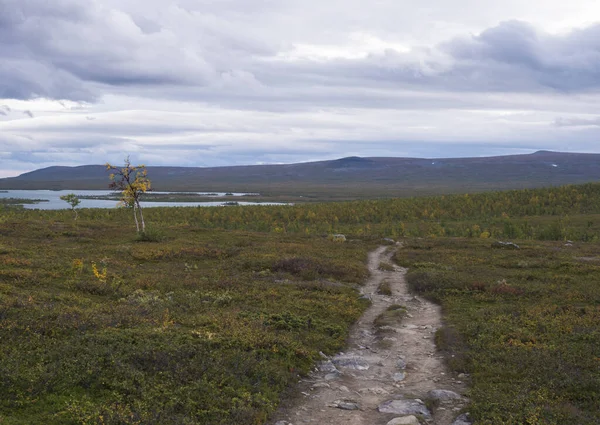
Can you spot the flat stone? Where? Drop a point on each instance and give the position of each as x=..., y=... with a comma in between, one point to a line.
x=401, y=364
x=332, y=376
x=283, y=423
x=327, y=366
x=443, y=395
x=397, y=377
x=463, y=419
x=405, y=420
x=351, y=362
x=345, y=405
x=405, y=407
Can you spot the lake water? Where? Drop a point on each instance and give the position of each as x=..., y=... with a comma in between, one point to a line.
x=52, y=199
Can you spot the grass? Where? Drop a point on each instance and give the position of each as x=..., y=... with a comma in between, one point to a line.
x=391, y=316
x=386, y=267
x=523, y=323
x=195, y=327
x=385, y=288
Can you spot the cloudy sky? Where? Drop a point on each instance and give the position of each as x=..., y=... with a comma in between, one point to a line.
x=230, y=82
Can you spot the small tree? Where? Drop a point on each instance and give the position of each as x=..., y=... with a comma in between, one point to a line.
x=131, y=181
x=72, y=200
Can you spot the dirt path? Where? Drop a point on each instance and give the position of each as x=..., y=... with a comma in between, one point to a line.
x=389, y=374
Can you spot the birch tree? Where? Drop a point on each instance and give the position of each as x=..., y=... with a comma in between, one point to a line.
x=131, y=181
x=73, y=201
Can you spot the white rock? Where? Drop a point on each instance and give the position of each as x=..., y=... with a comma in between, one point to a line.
x=405, y=420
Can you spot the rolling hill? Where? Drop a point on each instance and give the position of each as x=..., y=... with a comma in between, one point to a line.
x=352, y=177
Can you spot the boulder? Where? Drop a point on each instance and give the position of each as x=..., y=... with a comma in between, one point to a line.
x=405, y=407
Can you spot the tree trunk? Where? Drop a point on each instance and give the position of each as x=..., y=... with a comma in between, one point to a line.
x=137, y=225
x=142, y=217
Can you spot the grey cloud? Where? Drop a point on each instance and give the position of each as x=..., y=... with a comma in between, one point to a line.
x=29, y=114
x=510, y=57
x=70, y=45
x=75, y=50
x=513, y=55
x=577, y=122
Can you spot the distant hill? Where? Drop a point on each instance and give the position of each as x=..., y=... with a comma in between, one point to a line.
x=345, y=178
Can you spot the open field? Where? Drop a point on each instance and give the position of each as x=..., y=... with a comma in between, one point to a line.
x=525, y=324
x=211, y=315
x=206, y=326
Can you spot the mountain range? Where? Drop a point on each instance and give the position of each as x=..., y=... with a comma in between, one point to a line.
x=345, y=178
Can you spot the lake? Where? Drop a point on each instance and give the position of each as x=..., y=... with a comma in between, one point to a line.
x=51, y=199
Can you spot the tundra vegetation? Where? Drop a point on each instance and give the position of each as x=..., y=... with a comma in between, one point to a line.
x=210, y=323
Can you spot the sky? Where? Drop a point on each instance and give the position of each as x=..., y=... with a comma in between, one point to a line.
x=242, y=82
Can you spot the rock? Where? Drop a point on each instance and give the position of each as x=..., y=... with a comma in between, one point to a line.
x=351, y=362
x=463, y=419
x=321, y=385
x=397, y=377
x=332, y=376
x=405, y=420
x=345, y=405
x=405, y=407
x=376, y=390
x=343, y=389
x=328, y=367
x=505, y=245
x=388, y=328
x=401, y=363
x=443, y=395
x=389, y=240
x=283, y=423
